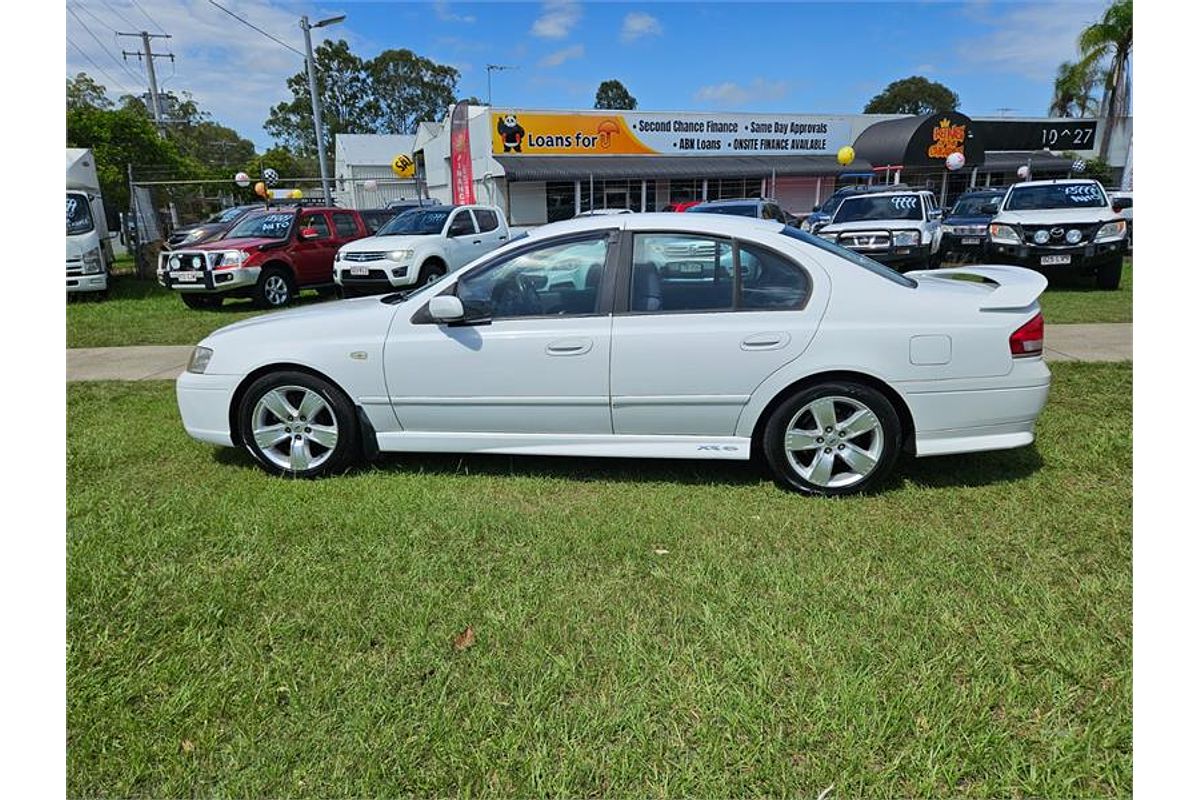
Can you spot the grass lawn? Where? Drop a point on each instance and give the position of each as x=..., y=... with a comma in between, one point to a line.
x=142, y=312
x=1081, y=301
x=641, y=628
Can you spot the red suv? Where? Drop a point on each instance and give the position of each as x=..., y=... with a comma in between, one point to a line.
x=269, y=255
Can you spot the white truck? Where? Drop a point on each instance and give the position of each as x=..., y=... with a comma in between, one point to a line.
x=89, y=246
x=418, y=247
x=901, y=228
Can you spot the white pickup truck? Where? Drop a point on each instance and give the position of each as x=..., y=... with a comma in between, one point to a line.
x=419, y=246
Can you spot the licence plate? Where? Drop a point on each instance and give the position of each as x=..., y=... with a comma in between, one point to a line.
x=186, y=276
x=359, y=271
x=1050, y=260
x=970, y=240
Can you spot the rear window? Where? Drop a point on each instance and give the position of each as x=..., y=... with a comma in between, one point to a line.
x=858, y=259
x=746, y=210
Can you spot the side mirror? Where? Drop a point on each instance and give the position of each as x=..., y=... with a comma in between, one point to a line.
x=991, y=208
x=816, y=208
x=309, y=233
x=1122, y=203
x=446, y=308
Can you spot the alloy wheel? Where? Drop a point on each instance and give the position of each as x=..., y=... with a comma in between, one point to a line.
x=295, y=428
x=834, y=442
x=275, y=290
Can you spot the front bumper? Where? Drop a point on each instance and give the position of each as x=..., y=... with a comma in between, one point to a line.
x=964, y=242
x=204, y=405
x=375, y=276
x=78, y=282
x=916, y=256
x=1084, y=258
x=212, y=281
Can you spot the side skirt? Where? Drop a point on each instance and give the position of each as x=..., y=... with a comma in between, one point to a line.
x=733, y=448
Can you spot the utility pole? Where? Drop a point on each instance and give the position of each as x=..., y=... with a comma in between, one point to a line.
x=311, y=66
x=149, y=55
x=490, y=69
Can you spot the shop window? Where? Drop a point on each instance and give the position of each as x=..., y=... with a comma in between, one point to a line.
x=560, y=201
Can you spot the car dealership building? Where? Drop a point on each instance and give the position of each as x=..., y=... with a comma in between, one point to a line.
x=542, y=166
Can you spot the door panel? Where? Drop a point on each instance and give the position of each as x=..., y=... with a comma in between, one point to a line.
x=313, y=258
x=684, y=361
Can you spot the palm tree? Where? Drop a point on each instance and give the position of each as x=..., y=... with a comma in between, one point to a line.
x=1073, y=88
x=1111, y=36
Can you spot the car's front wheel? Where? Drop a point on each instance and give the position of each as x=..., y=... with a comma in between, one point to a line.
x=431, y=270
x=274, y=289
x=833, y=438
x=299, y=425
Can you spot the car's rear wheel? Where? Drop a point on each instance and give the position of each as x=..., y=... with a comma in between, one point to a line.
x=275, y=288
x=833, y=438
x=198, y=301
x=1108, y=274
x=430, y=272
x=298, y=425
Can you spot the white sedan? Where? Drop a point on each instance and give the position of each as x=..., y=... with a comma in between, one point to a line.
x=646, y=335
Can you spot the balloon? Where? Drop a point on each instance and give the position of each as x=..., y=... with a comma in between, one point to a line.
x=270, y=176
x=404, y=166
x=296, y=194
x=242, y=179
x=845, y=155
x=1079, y=165
x=260, y=189
x=1023, y=172
x=955, y=161
x=370, y=185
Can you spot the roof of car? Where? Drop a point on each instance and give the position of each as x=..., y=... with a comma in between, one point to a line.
x=1053, y=182
x=886, y=192
x=739, y=201
x=653, y=221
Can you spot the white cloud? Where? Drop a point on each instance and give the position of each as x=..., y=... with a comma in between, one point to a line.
x=730, y=94
x=1028, y=40
x=559, y=56
x=442, y=9
x=557, y=19
x=638, y=24
x=234, y=72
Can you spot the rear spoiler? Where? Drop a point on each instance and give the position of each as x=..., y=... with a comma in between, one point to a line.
x=1012, y=287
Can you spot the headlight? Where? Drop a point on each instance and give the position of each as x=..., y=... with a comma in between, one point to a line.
x=1041, y=237
x=906, y=238
x=805, y=225
x=92, y=262
x=1003, y=233
x=1074, y=236
x=199, y=360
x=1111, y=230
x=829, y=237
x=400, y=255
x=228, y=259
x=337, y=256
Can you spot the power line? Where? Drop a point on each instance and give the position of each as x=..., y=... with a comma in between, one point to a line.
x=96, y=39
x=250, y=24
x=149, y=18
x=99, y=68
x=113, y=9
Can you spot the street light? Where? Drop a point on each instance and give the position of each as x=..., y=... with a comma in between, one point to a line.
x=311, y=66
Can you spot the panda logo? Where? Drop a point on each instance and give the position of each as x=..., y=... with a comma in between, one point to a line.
x=511, y=133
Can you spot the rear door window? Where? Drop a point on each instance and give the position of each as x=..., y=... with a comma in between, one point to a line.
x=345, y=225
x=486, y=219
x=680, y=273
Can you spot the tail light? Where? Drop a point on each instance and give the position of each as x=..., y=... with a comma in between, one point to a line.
x=1027, y=339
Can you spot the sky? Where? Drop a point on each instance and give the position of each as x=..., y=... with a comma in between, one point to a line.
x=797, y=57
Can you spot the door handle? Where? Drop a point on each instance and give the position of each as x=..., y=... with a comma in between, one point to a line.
x=569, y=347
x=502, y=238
x=476, y=241
x=766, y=341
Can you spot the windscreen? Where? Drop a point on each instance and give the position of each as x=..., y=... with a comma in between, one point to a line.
x=417, y=221
x=79, y=214
x=275, y=225
x=972, y=205
x=1055, y=195
x=871, y=207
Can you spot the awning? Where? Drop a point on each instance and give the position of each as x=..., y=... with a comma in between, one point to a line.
x=570, y=168
x=1039, y=160
x=923, y=141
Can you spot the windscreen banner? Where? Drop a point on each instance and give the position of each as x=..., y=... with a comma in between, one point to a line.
x=461, y=179
x=516, y=132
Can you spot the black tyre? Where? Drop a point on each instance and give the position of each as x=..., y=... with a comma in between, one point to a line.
x=298, y=425
x=198, y=301
x=275, y=288
x=1108, y=275
x=833, y=438
x=430, y=271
